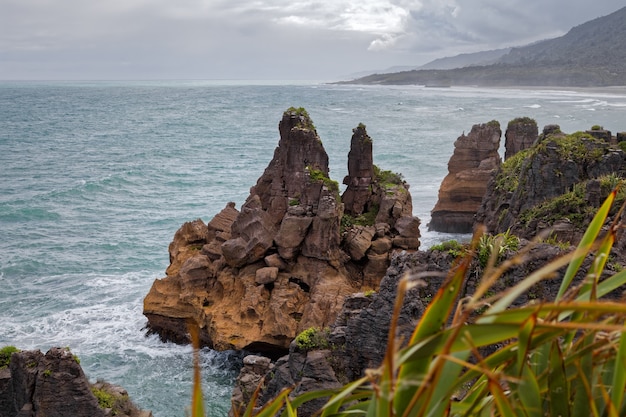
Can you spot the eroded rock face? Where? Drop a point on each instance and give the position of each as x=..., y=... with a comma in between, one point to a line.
x=253, y=279
x=555, y=165
x=357, y=341
x=53, y=385
x=474, y=160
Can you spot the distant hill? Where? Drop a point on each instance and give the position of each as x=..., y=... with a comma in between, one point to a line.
x=591, y=54
x=466, y=60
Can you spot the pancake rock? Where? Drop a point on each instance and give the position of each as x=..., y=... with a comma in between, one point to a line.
x=474, y=160
x=557, y=183
x=254, y=278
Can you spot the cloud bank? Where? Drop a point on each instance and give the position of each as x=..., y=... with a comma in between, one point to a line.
x=279, y=39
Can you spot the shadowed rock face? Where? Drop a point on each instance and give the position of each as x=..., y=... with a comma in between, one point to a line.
x=474, y=160
x=253, y=279
x=54, y=385
x=360, y=173
x=520, y=134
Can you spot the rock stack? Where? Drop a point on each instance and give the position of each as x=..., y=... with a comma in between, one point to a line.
x=253, y=279
x=474, y=160
x=520, y=134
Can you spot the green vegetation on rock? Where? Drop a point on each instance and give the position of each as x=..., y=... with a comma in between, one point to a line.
x=313, y=338
x=5, y=355
x=522, y=120
x=105, y=399
x=318, y=176
x=452, y=247
x=305, y=120
x=508, y=176
x=386, y=178
x=366, y=219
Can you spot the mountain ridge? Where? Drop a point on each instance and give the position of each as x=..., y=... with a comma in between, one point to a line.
x=588, y=55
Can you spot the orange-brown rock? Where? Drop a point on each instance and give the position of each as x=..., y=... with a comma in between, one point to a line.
x=460, y=195
x=253, y=279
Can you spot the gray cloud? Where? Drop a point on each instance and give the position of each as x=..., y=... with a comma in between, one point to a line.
x=279, y=39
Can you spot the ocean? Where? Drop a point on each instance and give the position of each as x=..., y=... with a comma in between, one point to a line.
x=96, y=177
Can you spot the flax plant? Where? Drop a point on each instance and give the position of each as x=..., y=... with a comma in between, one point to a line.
x=563, y=357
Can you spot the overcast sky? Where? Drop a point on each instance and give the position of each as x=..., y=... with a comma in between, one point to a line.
x=264, y=39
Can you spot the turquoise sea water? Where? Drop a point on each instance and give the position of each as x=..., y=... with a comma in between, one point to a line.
x=97, y=177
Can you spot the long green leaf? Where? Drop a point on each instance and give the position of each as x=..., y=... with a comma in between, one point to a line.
x=524, y=339
x=586, y=243
x=432, y=321
x=619, y=374
x=528, y=391
x=583, y=397
x=557, y=383
x=344, y=396
x=273, y=407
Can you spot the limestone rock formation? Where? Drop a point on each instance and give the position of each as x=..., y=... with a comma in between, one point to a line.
x=253, y=279
x=556, y=165
x=520, y=134
x=357, y=341
x=360, y=173
x=38, y=385
x=469, y=170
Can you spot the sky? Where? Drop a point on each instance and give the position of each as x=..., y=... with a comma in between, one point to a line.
x=264, y=39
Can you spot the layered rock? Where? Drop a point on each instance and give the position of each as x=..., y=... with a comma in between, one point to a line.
x=520, y=134
x=474, y=160
x=253, y=279
x=357, y=341
x=557, y=164
x=38, y=385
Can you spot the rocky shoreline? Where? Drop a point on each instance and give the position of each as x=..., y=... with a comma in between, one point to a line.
x=304, y=279
x=298, y=260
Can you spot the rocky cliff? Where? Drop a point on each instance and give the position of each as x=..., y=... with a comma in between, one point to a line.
x=474, y=159
x=556, y=184
x=54, y=385
x=357, y=341
x=254, y=278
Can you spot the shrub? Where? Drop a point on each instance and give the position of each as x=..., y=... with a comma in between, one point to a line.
x=105, y=399
x=386, y=178
x=313, y=338
x=493, y=248
x=318, y=176
x=452, y=247
x=5, y=355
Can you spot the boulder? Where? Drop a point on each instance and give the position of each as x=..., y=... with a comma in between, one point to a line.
x=474, y=160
